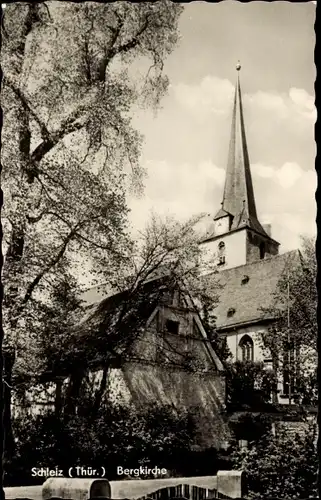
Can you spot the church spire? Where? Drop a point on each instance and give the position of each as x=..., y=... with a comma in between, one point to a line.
x=238, y=197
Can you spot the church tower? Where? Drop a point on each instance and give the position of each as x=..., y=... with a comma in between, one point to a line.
x=237, y=237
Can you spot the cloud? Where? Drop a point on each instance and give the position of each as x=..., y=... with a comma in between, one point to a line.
x=182, y=190
x=289, y=174
x=268, y=101
x=214, y=95
x=296, y=104
x=304, y=102
x=211, y=95
x=285, y=197
x=188, y=147
x=286, y=176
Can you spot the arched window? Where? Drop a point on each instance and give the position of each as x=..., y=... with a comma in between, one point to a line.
x=246, y=345
x=221, y=245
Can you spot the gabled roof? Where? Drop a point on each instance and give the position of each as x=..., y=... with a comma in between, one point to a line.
x=141, y=302
x=221, y=213
x=104, y=291
x=247, y=289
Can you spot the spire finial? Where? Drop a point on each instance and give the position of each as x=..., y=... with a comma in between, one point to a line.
x=238, y=66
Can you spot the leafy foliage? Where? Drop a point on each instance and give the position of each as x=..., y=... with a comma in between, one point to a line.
x=70, y=339
x=250, y=427
x=70, y=156
x=208, y=303
x=248, y=391
x=294, y=331
x=68, y=144
x=249, y=385
x=70, y=153
x=281, y=466
x=119, y=435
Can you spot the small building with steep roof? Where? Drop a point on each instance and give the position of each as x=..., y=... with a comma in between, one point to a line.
x=158, y=353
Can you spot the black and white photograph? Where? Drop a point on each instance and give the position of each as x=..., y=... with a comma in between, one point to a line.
x=159, y=307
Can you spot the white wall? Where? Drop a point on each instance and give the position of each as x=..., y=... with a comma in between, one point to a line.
x=259, y=353
x=255, y=332
x=235, y=248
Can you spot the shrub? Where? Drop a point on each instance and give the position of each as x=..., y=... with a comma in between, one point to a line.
x=119, y=435
x=251, y=427
x=248, y=384
x=284, y=466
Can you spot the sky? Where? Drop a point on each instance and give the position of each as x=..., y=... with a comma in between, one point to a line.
x=186, y=144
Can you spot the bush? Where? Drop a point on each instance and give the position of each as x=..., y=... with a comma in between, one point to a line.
x=251, y=427
x=249, y=384
x=118, y=436
x=284, y=466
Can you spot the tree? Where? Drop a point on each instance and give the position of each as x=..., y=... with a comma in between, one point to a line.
x=292, y=338
x=166, y=255
x=69, y=148
x=72, y=340
x=282, y=466
x=207, y=300
x=249, y=385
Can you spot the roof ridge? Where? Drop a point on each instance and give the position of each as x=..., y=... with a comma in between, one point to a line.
x=272, y=257
x=236, y=267
x=248, y=297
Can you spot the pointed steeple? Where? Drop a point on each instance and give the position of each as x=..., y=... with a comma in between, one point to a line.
x=238, y=197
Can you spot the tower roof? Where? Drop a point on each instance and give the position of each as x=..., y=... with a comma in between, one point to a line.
x=238, y=197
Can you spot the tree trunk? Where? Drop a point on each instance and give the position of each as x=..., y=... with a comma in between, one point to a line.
x=11, y=272
x=73, y=392
x=8, y=443
x=99, y=393
x=15, y=46
x=58, y=397
x=275, y=365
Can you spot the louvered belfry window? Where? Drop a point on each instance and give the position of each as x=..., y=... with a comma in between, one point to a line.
x=221, y=253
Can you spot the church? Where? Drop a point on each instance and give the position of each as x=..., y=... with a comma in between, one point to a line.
x=247, y=256
x=171, y=335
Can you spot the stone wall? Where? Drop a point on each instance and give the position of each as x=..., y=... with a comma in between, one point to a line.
x=203, y=393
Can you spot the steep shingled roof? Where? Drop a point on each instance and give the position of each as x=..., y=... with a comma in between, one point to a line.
x=248, y=288
x=238, y=197
x=99, y=304
x=245, y=291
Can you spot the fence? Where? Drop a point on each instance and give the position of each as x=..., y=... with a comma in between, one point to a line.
x=185, y=491
x=225, y=485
